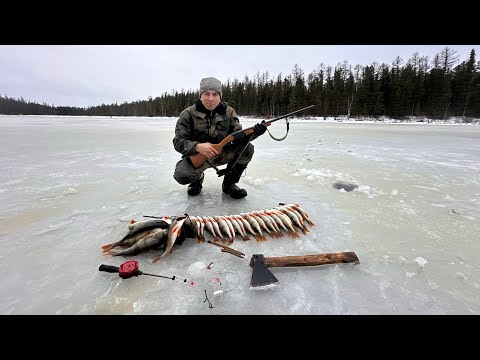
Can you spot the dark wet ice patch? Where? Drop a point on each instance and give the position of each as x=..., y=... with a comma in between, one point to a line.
x=344, y=185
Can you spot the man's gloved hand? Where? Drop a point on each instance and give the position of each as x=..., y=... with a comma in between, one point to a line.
x=259, y=129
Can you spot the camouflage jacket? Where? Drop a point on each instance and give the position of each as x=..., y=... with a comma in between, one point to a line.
x=196, y=125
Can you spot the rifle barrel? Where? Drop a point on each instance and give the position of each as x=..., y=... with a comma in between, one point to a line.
x=290, y=114
x=199, y=159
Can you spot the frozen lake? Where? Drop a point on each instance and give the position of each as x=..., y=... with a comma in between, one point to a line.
x=67, y=182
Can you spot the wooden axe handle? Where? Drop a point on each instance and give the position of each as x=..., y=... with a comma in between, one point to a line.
x=310, y=260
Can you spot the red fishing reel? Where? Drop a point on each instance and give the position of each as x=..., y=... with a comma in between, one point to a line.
x=129, y=269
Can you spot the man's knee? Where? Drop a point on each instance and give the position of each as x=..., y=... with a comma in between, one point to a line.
x=182, y=179
x=185, y=173
x=247, y=155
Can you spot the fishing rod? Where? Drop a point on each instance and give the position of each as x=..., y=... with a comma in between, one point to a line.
x=129, y=269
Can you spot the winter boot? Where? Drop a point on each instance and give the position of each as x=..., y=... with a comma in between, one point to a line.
x=233, y=177
x=196, y=187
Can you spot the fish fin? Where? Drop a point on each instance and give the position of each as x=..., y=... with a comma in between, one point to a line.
x=109, y=246
x=155, y=259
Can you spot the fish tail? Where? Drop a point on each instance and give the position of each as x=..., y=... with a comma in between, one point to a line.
x=201, y=239
x=109, y=246
x=258, y=238
x=155, y=258
x=309, y=222
x=245, y=238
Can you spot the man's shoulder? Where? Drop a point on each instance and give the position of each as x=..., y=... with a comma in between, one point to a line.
x=188, y=111
x=229, y=110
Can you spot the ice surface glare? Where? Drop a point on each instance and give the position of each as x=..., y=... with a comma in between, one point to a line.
x=413, y=221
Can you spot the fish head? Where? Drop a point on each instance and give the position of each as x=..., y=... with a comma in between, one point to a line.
x=189, y=228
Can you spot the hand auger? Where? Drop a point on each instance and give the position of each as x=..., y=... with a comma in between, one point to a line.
x=129, y=269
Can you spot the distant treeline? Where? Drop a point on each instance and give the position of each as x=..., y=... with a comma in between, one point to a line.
x=439, y=89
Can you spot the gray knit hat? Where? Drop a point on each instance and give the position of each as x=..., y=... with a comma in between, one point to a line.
x=210, y=83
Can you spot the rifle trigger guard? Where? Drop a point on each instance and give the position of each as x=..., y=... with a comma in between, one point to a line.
x=283, y=138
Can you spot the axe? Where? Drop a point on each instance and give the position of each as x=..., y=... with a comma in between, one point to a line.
x=262, y=278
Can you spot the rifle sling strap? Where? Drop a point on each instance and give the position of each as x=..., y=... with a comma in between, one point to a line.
x=283, y=138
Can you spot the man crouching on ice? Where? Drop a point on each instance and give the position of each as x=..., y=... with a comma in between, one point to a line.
x=208, y=122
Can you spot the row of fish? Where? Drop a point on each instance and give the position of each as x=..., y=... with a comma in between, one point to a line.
x=288, y=218
x=163, y=233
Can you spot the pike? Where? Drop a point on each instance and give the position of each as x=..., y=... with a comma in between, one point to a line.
x=148, y=225
x=147, y=242
x=198, y=159
x=135, y=224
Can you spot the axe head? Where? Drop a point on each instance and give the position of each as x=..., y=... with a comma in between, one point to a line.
x=262, y=278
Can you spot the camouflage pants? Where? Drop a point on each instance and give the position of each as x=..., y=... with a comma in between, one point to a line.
x=185, y=173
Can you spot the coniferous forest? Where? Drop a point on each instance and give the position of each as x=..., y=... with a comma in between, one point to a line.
x=437, y=88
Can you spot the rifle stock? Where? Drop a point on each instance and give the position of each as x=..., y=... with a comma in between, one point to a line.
x=198, y=159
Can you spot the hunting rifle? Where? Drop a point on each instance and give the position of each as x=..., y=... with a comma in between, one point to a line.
x=199, y=159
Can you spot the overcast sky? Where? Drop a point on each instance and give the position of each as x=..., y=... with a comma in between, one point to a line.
x=90, y=75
